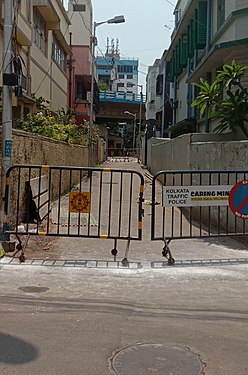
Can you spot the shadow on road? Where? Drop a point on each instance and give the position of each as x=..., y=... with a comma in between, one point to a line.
x=16, y=351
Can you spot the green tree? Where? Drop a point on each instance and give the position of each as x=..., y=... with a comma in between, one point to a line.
x=103, y=86
x=225, y=99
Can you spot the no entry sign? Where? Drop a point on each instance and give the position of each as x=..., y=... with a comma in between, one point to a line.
x=238, y=199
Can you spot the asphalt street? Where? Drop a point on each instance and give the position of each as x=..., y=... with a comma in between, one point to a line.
x=73, y=309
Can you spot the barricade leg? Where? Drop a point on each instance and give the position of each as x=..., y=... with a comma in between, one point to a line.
x=167, y=252
x=114, y=251
x=125, y=259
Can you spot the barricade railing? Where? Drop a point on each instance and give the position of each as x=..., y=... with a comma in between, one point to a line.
x=123, y=152
x=73, y=202
x=198, y=204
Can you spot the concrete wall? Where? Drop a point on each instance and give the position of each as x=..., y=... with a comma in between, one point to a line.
x=33, y=149
x=202, y=152
x=37, y=150
x=197, y=151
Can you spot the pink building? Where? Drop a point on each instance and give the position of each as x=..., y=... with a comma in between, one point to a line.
x=79, y=67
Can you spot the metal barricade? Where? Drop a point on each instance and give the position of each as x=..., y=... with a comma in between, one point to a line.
x=196, y=204
x=73, y=202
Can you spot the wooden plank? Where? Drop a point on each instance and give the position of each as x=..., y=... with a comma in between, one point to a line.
x=36, y=182
x=41, y=200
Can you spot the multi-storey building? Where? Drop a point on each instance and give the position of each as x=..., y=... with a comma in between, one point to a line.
x=80, y=13
x=120, y=74
x=40, y=43
x=163, y=104
x=152, y=100
x=207, y=35
x=81, y=69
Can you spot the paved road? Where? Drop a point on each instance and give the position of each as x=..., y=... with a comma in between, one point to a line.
x=60, y=316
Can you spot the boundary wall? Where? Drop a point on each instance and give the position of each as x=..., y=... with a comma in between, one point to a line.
x=197, y=152
x=29, y=148
x=200, y=152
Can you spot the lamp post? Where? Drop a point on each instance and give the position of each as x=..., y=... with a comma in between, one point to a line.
x=140, y=114
x=116, y=19
x=134, y=125
x=6, y=109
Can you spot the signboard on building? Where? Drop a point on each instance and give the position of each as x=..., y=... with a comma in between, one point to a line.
x=190, y=196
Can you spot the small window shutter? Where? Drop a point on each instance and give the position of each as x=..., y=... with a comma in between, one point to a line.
x=190, y=49
x=177, y=61
x=184, y=50
x=192, y=37
x=220, y=13
x=202, y=24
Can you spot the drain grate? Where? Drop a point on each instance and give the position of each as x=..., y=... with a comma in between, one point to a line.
x=147, y=359
x=111, y=264
x=74, y=263
x=201, y=262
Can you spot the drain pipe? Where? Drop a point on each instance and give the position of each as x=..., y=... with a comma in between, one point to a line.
x=209, y=26
x=174, y=102
x=208, y=46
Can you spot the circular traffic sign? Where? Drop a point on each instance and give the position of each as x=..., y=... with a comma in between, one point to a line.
x=238, y=199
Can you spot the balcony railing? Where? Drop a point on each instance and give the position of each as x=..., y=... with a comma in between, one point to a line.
x=112, y=96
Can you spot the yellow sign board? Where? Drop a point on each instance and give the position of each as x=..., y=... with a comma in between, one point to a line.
x=79, y=202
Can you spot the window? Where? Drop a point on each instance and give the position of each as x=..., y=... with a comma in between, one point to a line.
x=129, y=76
x=79, y=7
x=220, y=13
x=80, y=91
x=28, y=8
x=120, y=85
x=104, y=67
x=129, y=84
x=121, y=76
x=125, y=69
x=58, y=54
x=159, y=84
x=39, y=30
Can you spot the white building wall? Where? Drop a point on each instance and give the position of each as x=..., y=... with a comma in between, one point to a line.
x=240, y=4
x=182, y=5
x=81, y=22
x=134, y=89
x=230, y=6
x=182, y=99
x=235, y=31
x=151, y=99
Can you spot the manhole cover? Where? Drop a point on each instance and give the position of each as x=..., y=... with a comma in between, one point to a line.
x=33, y=289
x=147, y=359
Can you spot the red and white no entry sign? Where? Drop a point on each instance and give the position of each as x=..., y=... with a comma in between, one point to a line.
x=238, y=199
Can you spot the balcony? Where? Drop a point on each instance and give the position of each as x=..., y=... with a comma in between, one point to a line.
x=47, y=10
x=112, y=96
x=23, y=31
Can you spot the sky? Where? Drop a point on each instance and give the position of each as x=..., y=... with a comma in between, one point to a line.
x=145, y=34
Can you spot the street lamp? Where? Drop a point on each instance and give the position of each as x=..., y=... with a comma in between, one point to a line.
x=134, y=125
x=116, y=19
